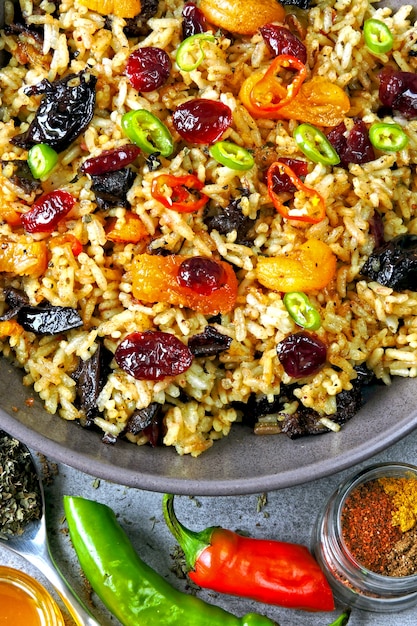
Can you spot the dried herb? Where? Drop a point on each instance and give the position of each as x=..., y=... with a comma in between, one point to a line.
x=20, y=494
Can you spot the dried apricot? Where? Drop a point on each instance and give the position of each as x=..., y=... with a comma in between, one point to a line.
x=24, y=257
x=243, y=17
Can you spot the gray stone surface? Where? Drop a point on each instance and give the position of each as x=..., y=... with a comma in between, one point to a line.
x=286, y=514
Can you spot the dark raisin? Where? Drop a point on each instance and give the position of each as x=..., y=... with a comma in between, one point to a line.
x=138, y=26
x=153, y=162
x=64, y=113
x=209, y=343
x=15, y=299
x=193, y=20
x=110, y=160
x=301, y=354
x=153, y=355
x=202, y=275
x=229, y=219
x=281, y=40
x=111, y=188
x=394, y=264
x=202, y=120
x=48, y=320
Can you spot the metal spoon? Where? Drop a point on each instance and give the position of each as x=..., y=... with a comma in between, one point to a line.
x=33, y=545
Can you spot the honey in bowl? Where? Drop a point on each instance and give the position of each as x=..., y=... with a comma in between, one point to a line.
x=25, y=602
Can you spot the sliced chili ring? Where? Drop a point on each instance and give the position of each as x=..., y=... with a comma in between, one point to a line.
x=269, y=94
x=315, y=145
x=179, y=193
x=314, y=208
x=388, y=137
x=377, y=35
x=190, y=53
x=232, y=155
x=147, y=132
x=301, y=310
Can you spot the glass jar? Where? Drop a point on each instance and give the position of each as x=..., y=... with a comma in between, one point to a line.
x=25, y=602
x=352, y=583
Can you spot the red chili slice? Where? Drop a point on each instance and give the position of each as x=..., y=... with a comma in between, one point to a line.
x=179, y=193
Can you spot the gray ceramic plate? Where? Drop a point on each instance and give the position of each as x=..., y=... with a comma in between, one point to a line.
x=242, y=463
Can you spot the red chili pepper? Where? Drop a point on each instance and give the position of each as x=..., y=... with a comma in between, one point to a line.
x=269, y=94
x=314, y=207
x=180, y=193
x=272, y=572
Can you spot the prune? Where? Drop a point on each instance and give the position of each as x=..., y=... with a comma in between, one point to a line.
x=15, y=299
x=138, y=26
x=21, y=175
x=394, y=264
x=353, y=147
x=229, y=219
x=398, y=91
x=153, y=355
x=202, y=120
x=48, y=320
x=193, y=20
x=209, y=343
x=147, y=421
x=148, y=68
x=301, y=354
x=111, y=188
x=91, y=376
x=110, y=160
x=281, y=40
x=48, y=211
x=64, y=113
x=202, y=275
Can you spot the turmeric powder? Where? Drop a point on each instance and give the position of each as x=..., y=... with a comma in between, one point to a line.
x=404, y=497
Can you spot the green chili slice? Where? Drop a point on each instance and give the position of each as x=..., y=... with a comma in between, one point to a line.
x=41, y=160
x=190, y=53
x=301, y=310
x=315, y=145
x=388, y=137
x=147, y=132
x=377, y=35
x=231, y=155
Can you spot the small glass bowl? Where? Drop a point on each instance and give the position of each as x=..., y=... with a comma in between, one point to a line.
x=352, y=583
x=19, y=586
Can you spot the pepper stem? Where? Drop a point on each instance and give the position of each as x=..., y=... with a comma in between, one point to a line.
x=343, y=619
x=192, y=543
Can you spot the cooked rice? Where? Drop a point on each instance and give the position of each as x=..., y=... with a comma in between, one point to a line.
x=362, y=322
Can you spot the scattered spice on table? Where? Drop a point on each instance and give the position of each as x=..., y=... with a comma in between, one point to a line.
x=20, y=495
x=379, y=525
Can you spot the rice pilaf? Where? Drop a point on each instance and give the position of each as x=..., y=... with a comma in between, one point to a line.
x=362, y=321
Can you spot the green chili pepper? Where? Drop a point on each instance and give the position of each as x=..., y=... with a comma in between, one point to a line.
x=41, y=160
x=315, y=145
x=130, y=589
x=377, y=35
x=190, y=53
x=388, y=137
x=147, y=132
x=301, y=310
x=231, y=155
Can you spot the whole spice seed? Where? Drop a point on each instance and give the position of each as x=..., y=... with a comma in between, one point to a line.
x=367, y=526
x=20, y=495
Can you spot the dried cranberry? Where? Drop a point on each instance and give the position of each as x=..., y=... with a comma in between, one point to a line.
x=153, y=355
x=47, y=211
x=202, y=275
x=301, y=354
x=193, y=20
x=281, y=40
x=398, y=91
x=281, y=180
x=148, y=68
x=110, y=160
x=202, y=120
x=352, y=147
